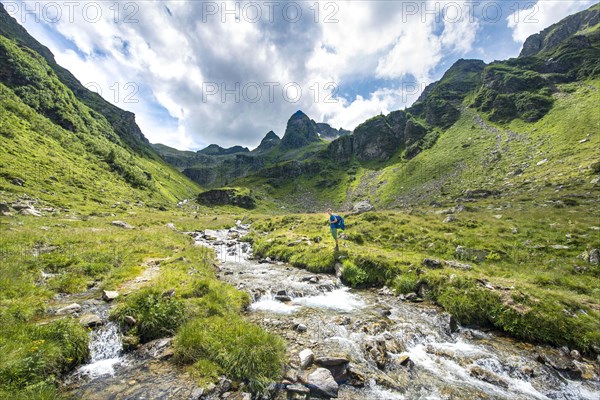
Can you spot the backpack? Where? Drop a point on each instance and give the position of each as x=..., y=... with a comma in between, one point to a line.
x=340, y=222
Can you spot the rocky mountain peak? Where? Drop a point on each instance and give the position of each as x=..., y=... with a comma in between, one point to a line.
x=300, y=131
x=553, y=36
x=269, y=141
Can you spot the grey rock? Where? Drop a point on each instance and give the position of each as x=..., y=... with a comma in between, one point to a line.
x=431, y=263
x=297, y=388
x=130, y=321
x=362, y=206
x=594, y=257
x=224, y=384
x=487, y=376
x=477, y=255
x=70, y=309
x=197, y=393
x=109, y=295
x=283, y=298
x=30, y=211
x=90, y=320
x=338, y=270
x=321, y=382
x=301, y=328
x=122, y=224
x=327, y=361
x=450, y=218
x=20, y=206
x=457, y=265
x=306, y=358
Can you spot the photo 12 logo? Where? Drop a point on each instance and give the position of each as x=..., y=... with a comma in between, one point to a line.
x=121, y=92
x=253, y=92
x=53, y=12
x=269, y=11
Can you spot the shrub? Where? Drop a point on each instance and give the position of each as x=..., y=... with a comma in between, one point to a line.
x=156, y=315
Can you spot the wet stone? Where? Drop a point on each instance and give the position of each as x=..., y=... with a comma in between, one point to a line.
x=487, y=376
x=70, y=309
x=321, y=382
x=90, y=320
x=109, y=295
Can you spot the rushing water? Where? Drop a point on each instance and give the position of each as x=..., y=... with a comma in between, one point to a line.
x=403, y=350
x=396, y=350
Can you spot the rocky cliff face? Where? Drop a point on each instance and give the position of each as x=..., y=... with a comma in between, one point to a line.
x=555, y=35
x=378, y=138
x=328, y=133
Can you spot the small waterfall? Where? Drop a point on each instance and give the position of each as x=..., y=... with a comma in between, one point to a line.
x=105, y=351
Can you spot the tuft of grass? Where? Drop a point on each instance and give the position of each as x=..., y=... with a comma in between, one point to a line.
x=157, y=315
x=520, y=287
x=34, y=354
x=242, y=350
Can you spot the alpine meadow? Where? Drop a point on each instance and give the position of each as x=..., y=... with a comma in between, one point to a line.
x=459, y=259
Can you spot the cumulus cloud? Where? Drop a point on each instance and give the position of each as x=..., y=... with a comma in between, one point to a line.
x=218, y=72
x=542, y=14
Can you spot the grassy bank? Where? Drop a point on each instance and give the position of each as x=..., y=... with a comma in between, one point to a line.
x=519, y=267
x=69, y=253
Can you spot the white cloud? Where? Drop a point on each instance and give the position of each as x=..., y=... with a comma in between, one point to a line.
x=172, y=56
x=525, y=23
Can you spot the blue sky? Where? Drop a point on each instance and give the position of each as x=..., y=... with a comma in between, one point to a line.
x=201, y=72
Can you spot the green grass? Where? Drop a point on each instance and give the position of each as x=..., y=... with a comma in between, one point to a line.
x=242, y=350
x=66, y=153
x=156, y=315
x=87, y=250
x=533, y=281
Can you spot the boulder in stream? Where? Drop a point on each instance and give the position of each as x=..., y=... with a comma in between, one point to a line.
x=90, y=320
x=109, y=295
x=488, y=376
x=70, y=309
x=321, y=382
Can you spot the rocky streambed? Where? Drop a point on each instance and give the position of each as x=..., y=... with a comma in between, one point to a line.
x=370, y=344
x=344, y=343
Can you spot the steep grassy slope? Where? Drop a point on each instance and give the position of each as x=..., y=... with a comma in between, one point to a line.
x=55, y=148
x=475, y=154
x=122, y=122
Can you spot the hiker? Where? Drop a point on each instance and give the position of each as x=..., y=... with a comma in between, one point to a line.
x=335, y=223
